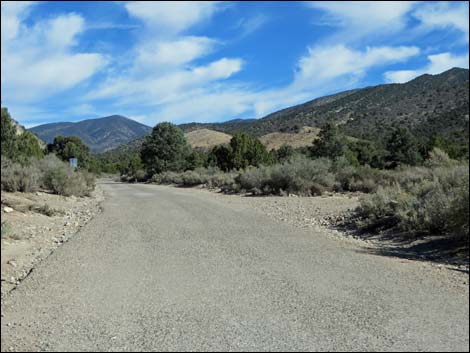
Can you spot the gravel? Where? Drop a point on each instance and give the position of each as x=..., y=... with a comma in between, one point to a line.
x=180, y=269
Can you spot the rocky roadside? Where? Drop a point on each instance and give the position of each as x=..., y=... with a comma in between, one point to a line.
x=36, y=224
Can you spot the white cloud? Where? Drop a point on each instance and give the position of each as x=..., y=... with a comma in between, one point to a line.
x=364, y=18
x=168, y=86
x=220, y=69
x=12, y=14
x=172, y=72
x=37, y=61
x=208, y=106
x=172, y=16
x=443, y=15
x=163, y=75
x=324, y=63
x=183, y=50
x=437, y=63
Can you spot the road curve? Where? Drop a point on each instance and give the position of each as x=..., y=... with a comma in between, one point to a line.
x=167, y=269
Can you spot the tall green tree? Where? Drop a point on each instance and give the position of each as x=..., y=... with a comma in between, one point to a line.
x=330, y=143
x=196, y=159
x=284, y=153
x=8, y=135
x=402, y=148
x=165, y=149
x=28, y=146
x=246, y=151
x=66, y=147
x=131, y=165
x=221, y=156
x=18, y=146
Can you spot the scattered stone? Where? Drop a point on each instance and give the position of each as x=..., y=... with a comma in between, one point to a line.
x=7, y=209
x=12, y=263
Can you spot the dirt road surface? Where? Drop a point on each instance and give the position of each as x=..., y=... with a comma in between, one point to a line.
x=171, y=269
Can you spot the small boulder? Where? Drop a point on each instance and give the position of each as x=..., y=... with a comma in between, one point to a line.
x=7, y=209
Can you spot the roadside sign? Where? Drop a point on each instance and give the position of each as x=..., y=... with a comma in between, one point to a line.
x=73, y=162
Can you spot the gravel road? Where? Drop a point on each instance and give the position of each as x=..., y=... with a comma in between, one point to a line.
x=167, y=269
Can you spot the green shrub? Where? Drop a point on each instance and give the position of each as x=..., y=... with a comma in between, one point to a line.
x=210, y=177
x=62, y=180
x=167, y=178
x=49, y=173
x=360, y=178
x=297, y=176
x=426, y=201
x=438, y=158
x=16, y=177
x=45, y=210
x=90, y=180
x=225, y=181
x=192, y=178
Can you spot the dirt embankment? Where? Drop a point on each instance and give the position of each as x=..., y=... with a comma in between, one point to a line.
x=34, y=225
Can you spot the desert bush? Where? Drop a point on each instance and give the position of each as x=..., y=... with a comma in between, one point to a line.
x=48, y=173
x=66, y=182
x=140, y=175
x=358, y=178
x=62, y=180
x=431, y=201
x=192, y=178
x=438, y=158
x=17, y=177
x=90, y=180
x=224, y=181
x=167, y=178
x=210, y=177
x=45, y=210
x=298, y=176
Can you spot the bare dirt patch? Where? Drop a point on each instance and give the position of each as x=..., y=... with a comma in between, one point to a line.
x=34, y=225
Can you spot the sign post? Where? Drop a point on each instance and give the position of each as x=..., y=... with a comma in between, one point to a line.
x=73, y=162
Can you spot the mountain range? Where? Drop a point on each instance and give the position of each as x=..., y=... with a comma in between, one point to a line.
x=427, y=105
x=368, y=112
x=99, y=134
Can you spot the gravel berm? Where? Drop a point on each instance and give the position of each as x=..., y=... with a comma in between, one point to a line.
x=167, y=269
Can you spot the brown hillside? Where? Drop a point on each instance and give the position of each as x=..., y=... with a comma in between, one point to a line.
x=205, y=138
x=304, y=137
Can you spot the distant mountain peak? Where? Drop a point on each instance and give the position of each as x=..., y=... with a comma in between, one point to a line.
x=100, y=134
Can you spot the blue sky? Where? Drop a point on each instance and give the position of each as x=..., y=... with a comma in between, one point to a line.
x=213, y=61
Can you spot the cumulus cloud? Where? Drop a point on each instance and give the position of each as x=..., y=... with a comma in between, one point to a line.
x=443, y=15
x=12, y=14
x=172, y=16
x=174, y=71
x=173, y=53
x=437, y=63
x=322, y=63
x=164, y=73
x=360, y=19
x=325, y=68
x=38, y=61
